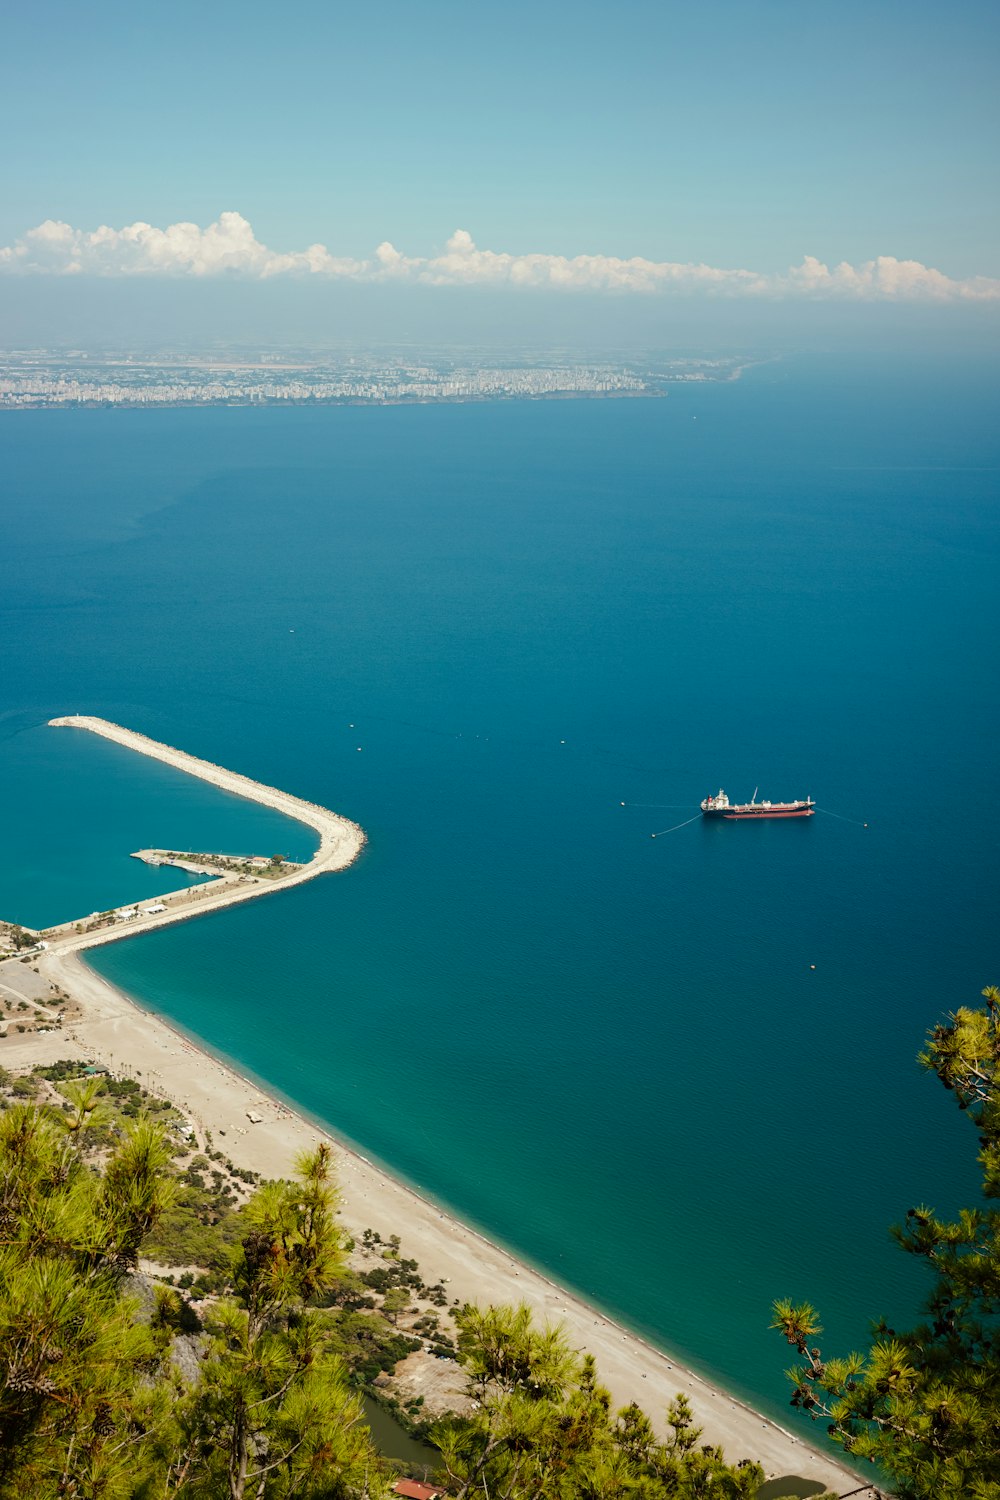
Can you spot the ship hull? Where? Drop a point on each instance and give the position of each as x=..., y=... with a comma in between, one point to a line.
x=735, y=813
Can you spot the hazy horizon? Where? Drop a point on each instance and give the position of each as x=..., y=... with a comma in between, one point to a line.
x=101, y=315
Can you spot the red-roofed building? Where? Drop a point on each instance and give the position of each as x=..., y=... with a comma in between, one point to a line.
x=412, y=1489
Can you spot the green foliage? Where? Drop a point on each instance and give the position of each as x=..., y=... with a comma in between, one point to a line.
x=86, y=1110
x=925, y=1404
x=543, y=1428
x=72, y=1401
x=91, y=1405
x=65, y=1068
x=202, y=1227
x=349, y=1292
x=203, y=1224
x=172, y=1314
x=395, y=1301
x=92, y=1402
x=367, y=1344
x=503, y=1351
x=396, y=1274
x=273, y=1413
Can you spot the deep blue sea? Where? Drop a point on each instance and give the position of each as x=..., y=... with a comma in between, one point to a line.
x=678, y=1073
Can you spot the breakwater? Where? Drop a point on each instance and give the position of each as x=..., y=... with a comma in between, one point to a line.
x=341, y=841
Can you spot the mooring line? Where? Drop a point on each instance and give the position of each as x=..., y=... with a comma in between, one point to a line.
x=675, y=827
x=856, y=821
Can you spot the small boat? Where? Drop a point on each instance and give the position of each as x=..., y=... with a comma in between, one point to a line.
x=720, y=806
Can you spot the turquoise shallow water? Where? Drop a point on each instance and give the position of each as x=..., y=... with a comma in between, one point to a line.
x=77, y=808
x=612, y=1053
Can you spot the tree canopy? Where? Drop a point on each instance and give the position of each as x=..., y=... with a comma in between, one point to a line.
x=544, y=1429
x=101, y=1400
x=73, y=1402
x=924, y=1405
x=91, y=1404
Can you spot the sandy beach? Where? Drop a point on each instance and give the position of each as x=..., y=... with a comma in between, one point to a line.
x=111, y=1029
x=116, y=1032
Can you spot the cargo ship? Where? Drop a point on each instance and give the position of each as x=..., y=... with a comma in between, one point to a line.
x=720, y=806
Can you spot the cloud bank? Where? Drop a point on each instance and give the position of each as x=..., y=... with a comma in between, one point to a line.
x=229, y=247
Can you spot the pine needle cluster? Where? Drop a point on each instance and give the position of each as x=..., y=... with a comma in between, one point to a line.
x=924, y=1405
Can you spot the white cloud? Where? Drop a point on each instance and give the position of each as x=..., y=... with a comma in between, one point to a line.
x=885, y=279
x=229, y=247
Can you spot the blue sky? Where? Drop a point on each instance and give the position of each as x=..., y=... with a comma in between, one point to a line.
x=739, y=135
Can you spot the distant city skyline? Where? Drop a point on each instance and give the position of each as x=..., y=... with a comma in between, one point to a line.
x=45, y=379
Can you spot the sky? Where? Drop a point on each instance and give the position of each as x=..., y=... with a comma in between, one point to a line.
x=462, y=167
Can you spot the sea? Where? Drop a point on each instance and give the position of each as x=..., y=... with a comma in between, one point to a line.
x=513, y=641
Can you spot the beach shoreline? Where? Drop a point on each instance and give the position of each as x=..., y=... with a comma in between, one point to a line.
x=116, y=1031
x=264, y=1134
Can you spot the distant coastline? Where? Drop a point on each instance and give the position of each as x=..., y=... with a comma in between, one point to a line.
x=45, y=379
x=199, y=404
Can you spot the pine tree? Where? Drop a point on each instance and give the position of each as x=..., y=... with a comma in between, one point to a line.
x=543, y=1427
x=73, y=1405
x=273, y=1414
x=925, y=1405
x=91, y=1407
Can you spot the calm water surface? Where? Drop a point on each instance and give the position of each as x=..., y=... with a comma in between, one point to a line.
x=678, y=1073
